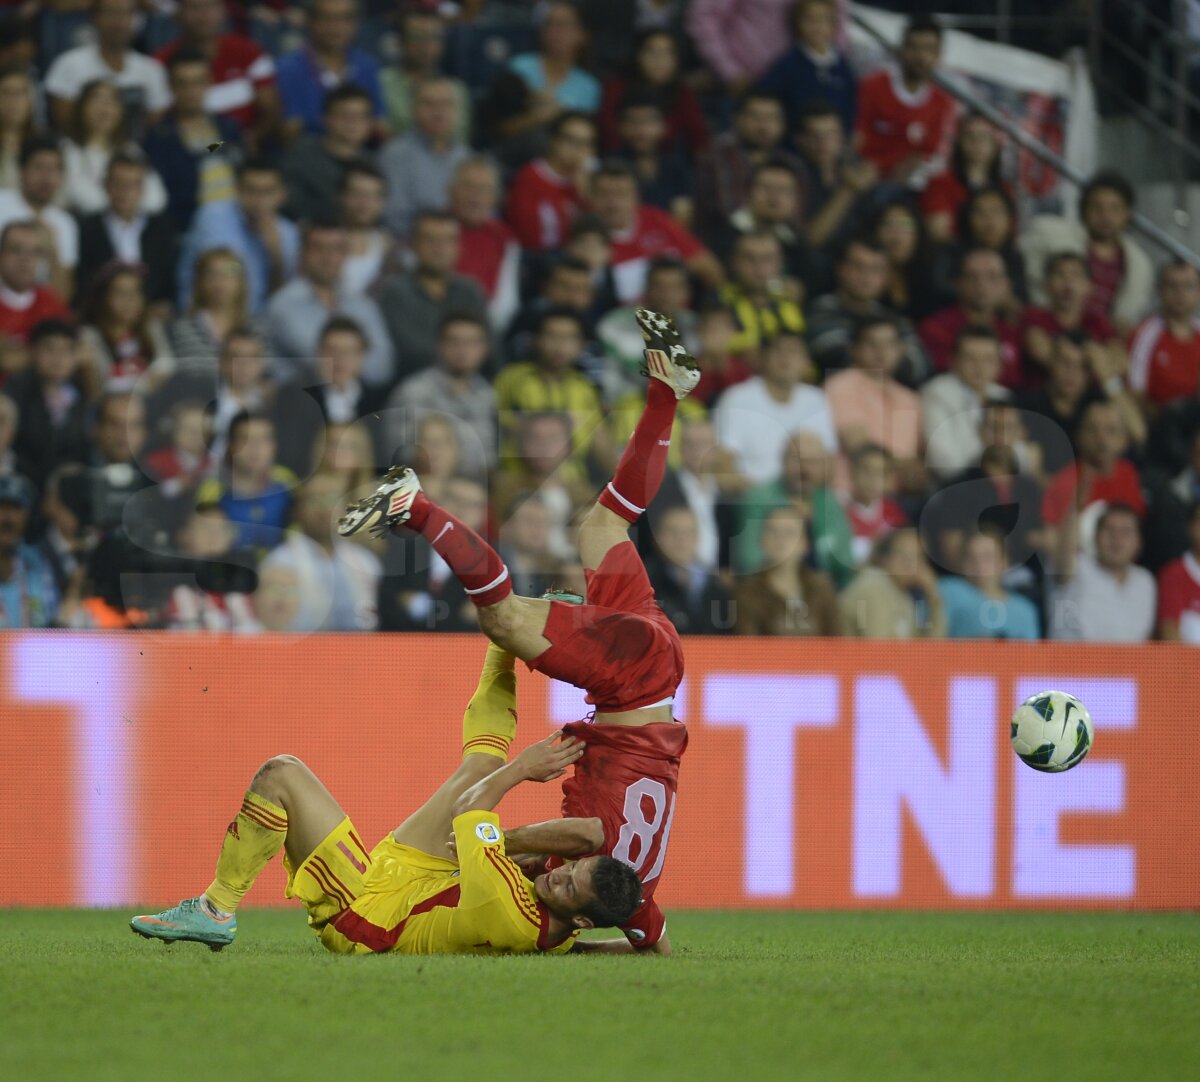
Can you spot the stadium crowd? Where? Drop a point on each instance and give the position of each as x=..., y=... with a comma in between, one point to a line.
x=252, y=254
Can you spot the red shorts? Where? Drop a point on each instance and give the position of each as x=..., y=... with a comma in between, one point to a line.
x=619, y=647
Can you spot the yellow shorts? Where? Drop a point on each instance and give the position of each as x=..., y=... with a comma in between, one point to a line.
x=332, y=875
x=382, y=886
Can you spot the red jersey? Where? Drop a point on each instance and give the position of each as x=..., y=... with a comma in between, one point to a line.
x=1107, y=276
x=540, y=206
x=1161, y=366
x=628, y=780
x=940, y=331
x=21, y=312
x=481, y=253
x=945, y=194
x=1123, y=485
x=1179, y=596
x=894, y=123
x=1097, y=327
x=868, y=524
x=168, y=464
x=712, y=383
x=654, y=233
x=240, y=68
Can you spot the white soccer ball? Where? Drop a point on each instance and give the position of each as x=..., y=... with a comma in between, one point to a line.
x=1052, y=731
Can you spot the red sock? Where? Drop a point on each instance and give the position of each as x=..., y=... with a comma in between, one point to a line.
x=644, y=461
x=473, y=561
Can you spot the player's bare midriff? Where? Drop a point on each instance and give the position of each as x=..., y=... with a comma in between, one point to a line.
x=647, y=716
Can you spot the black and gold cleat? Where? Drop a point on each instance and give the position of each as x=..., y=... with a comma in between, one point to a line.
x=666, y=357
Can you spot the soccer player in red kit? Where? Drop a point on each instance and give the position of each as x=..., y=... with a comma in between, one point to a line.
x=618, y=645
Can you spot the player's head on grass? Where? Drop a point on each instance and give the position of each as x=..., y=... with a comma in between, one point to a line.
x=595, y=892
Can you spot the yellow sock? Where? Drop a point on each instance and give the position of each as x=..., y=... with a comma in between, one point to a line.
x=490, y=723
x=251, y=840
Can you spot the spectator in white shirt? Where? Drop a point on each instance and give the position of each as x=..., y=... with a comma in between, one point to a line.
x=41, y=181
x=1106, y=597
x=97, y=132
x=756, y=418
x=141, y=80
x=337, y=580
x=121, y=229
x=296, y=313
x=952, y=403
x=374, y=251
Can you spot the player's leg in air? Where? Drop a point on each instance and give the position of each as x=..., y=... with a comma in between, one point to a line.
x=619, y=646
x=288, y=807
x=589, y=645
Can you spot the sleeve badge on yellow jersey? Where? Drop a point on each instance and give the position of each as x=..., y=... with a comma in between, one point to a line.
x=487, y=833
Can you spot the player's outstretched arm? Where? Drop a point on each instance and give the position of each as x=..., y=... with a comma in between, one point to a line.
x=556, y=838
x=620, y=945
x=544, y=761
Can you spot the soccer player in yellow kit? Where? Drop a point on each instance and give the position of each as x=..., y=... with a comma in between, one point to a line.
x=408, y=894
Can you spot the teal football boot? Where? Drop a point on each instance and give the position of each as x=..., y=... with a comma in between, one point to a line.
x=189, y=920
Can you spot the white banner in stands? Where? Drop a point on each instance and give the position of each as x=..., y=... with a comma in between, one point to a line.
x=1052, y=100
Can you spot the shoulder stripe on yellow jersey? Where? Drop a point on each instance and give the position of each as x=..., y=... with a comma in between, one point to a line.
x=509, y=871
x=358, y=841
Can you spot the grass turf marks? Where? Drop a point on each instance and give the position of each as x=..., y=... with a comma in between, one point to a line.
x=823, y=996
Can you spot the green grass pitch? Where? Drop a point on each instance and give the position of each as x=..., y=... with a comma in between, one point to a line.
x=748, y=996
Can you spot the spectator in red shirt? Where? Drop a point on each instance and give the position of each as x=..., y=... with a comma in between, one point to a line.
x=1164, y=352
x=905, y=120
x=1066, y=312
x=186, y=459
x=871, y=512
x=974, y=164
x=243, y=75
x=1102, y=473
x=656, y=75
x=24, y=303
x=639, y=234
x=488, y=252
x=985, y=299
x=1179, y=590
x=547, y=193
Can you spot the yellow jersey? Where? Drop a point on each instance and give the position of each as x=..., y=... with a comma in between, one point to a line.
x=417, y=903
